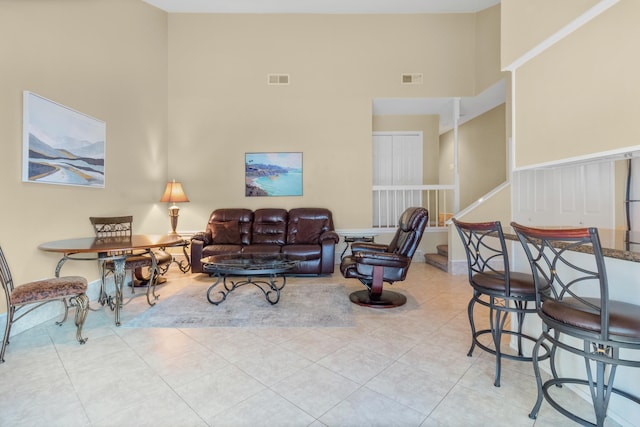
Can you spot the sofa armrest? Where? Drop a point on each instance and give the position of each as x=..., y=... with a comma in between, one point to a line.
x=204, y=236
x=197, y=246
x=328, y=236
x=327, y=256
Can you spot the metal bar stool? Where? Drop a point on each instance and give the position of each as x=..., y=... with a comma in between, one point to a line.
x=573, y=301
x=508, y=293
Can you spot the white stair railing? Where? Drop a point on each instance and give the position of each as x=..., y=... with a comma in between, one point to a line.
x=389, y=201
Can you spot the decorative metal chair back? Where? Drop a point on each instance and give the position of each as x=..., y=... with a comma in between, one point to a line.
x=116, y=227
x=120, y=227
x=5, y=277
x=571, y=281
x=509, y=293
x=572, y=299
x=486, y=251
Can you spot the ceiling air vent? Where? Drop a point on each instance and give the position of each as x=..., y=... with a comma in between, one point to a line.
x=278, y=79
x=412, y=79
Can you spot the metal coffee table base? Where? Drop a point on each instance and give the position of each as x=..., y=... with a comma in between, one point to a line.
x=270, y=287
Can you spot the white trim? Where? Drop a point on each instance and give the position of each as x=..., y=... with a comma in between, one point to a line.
x=572, y=26
x=481, y=200
x=424, y=187
x=398, y=133
x=617, y=154
x=512, y=139
x=458, y=267
x=456, y=149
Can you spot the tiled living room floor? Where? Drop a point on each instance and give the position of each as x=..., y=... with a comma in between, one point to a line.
x=401, y=367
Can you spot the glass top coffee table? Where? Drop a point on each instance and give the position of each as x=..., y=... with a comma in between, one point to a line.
x=264, y=271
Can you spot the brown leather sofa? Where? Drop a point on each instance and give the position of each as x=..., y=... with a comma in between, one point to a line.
x=304, y=232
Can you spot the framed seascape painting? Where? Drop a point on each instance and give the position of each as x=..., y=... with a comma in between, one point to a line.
x=61, y=145
x=273, y=174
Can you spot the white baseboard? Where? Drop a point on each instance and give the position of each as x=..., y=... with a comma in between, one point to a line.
x=458, y=267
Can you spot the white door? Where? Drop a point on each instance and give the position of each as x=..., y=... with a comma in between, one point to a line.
x=397, y=160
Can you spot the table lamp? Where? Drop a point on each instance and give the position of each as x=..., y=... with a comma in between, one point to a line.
x=173, y=193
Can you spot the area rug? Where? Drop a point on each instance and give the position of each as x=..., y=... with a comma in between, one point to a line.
x=300, y=305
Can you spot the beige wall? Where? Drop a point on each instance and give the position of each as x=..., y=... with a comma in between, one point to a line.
x=581, y=96
x=527, y=23
x=185, y=96
x=496, y=208
x=221, y=107
x=104, y=58
x=482, y=158
x=487, y=49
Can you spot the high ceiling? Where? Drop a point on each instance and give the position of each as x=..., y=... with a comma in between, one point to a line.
x=323, y=6
x=469, y=107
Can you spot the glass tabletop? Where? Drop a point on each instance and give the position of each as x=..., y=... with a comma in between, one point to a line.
x=107, y=244
x=250, y=263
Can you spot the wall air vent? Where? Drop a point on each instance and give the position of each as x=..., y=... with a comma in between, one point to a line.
x=277, y=79
x=412, y=79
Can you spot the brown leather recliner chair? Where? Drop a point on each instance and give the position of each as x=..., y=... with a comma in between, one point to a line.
x=374, y=263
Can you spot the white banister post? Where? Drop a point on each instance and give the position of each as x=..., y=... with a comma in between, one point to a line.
x=456, y=175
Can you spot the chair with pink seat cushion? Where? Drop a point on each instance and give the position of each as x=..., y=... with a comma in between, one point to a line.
x=23, y=299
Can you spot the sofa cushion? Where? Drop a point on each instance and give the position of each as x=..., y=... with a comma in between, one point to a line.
x=305, y=252
x=244, y=217
x=309, y=231
x=297, y=234
x=211, y=250
x=261, y=249
x=269, y=227
x=225, y=233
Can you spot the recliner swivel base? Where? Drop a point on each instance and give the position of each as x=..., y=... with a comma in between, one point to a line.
x=386, y=299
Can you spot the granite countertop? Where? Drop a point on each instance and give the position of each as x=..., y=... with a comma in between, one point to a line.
x=619, y=244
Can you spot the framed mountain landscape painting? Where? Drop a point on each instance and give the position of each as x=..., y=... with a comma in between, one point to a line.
x=61, y=145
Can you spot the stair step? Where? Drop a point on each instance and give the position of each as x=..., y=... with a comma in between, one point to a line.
x=437, y=260
x=443, y=250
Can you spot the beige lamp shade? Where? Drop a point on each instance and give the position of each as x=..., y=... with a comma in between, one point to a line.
x=174, y=193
